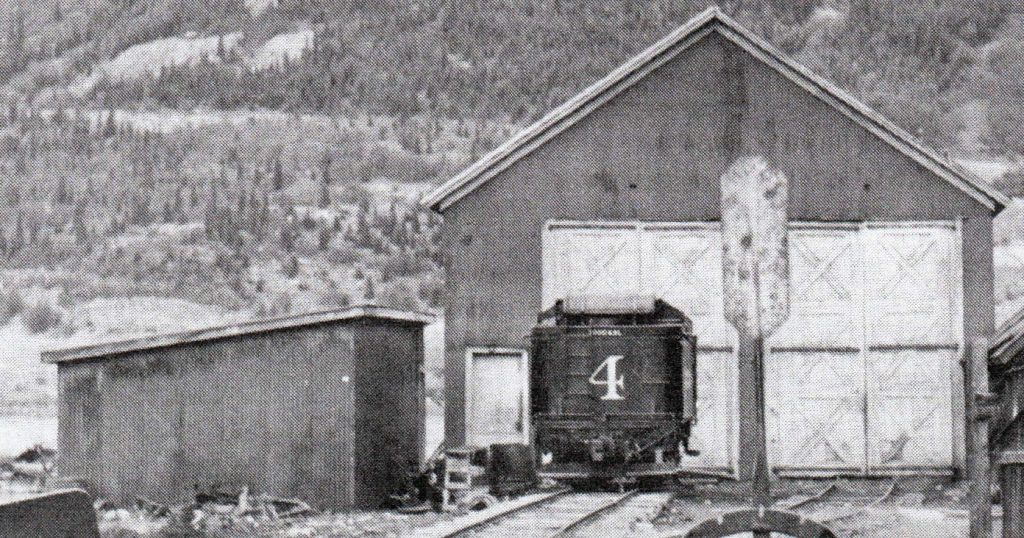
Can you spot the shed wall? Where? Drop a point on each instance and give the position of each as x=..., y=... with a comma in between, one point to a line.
x=656, y=153
x=266, y=411
x=389, y=403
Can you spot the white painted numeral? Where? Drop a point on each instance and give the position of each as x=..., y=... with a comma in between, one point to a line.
x=613, y=382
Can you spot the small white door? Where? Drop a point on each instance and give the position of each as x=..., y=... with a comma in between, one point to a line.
x=496, y=397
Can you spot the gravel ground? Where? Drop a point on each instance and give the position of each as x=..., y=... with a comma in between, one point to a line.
x=914, y=508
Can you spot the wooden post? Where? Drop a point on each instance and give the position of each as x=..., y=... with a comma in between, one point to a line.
x=978, y=454
x=752, y=350
x=755, y=281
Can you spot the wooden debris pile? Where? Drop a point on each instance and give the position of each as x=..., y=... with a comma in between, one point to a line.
x=212, y=509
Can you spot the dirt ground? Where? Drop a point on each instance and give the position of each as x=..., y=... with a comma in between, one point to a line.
x=912, y=508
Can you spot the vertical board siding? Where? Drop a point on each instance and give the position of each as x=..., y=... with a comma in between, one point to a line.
x=269, y=411
x=388, y=401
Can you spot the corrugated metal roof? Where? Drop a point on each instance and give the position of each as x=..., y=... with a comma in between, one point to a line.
x=353, y=313
x=711, y=20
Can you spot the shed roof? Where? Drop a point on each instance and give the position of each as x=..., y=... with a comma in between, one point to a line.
x=354, y=313
x=1008, y=342
x=711, y=20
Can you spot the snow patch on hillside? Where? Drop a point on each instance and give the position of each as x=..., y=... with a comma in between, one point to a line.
x=150, y=57
x=259, y=6
x=288, y=45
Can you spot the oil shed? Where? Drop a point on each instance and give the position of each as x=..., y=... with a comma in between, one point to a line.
x=616, y=192
x=326, y=407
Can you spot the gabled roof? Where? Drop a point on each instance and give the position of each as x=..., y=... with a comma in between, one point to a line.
x=353, y=313
x=711, y=20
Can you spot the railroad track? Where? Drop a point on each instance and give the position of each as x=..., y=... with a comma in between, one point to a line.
x=562, y=514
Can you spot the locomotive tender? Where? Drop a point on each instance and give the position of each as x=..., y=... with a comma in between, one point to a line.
x=612, y=388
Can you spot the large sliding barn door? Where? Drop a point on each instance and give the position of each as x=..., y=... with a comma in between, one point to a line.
x=913, y=330
x=596, y=261
x=860, y=378
x=815, y=368
x=682, y=264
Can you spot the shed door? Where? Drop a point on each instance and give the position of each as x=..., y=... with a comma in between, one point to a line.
x=496, y=398
x=913, y=334
x=814, y=365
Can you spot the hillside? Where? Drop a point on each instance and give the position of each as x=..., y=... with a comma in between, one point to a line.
x=228, y=158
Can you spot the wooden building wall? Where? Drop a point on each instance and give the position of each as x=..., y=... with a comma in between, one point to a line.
x=390, y=406
x=655, y=153
x=281, y=412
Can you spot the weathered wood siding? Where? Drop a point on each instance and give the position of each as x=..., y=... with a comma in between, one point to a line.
x=389, y=408
x=656, y=153
x=275, y=411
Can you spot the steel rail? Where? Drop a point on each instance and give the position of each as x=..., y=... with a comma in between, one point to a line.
x=859, y=510
x=593, y=514
x=474, y=525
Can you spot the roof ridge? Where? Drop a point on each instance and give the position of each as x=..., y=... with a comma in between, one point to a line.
x=227, y=330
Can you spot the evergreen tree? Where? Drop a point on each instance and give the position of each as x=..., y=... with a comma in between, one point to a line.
x=325, y=195
x=371, y=292
x=278, y=177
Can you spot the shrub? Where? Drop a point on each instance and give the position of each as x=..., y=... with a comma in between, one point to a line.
x=344, y=255
x=402, y=264
x=400, y=295
x=334, y=298
x=11, y=304
x=41, y=317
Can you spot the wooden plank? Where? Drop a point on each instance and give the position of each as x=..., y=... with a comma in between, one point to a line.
x=979, y=495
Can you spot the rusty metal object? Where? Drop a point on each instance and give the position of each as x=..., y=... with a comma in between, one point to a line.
x=59, y=514
x=761, y=521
